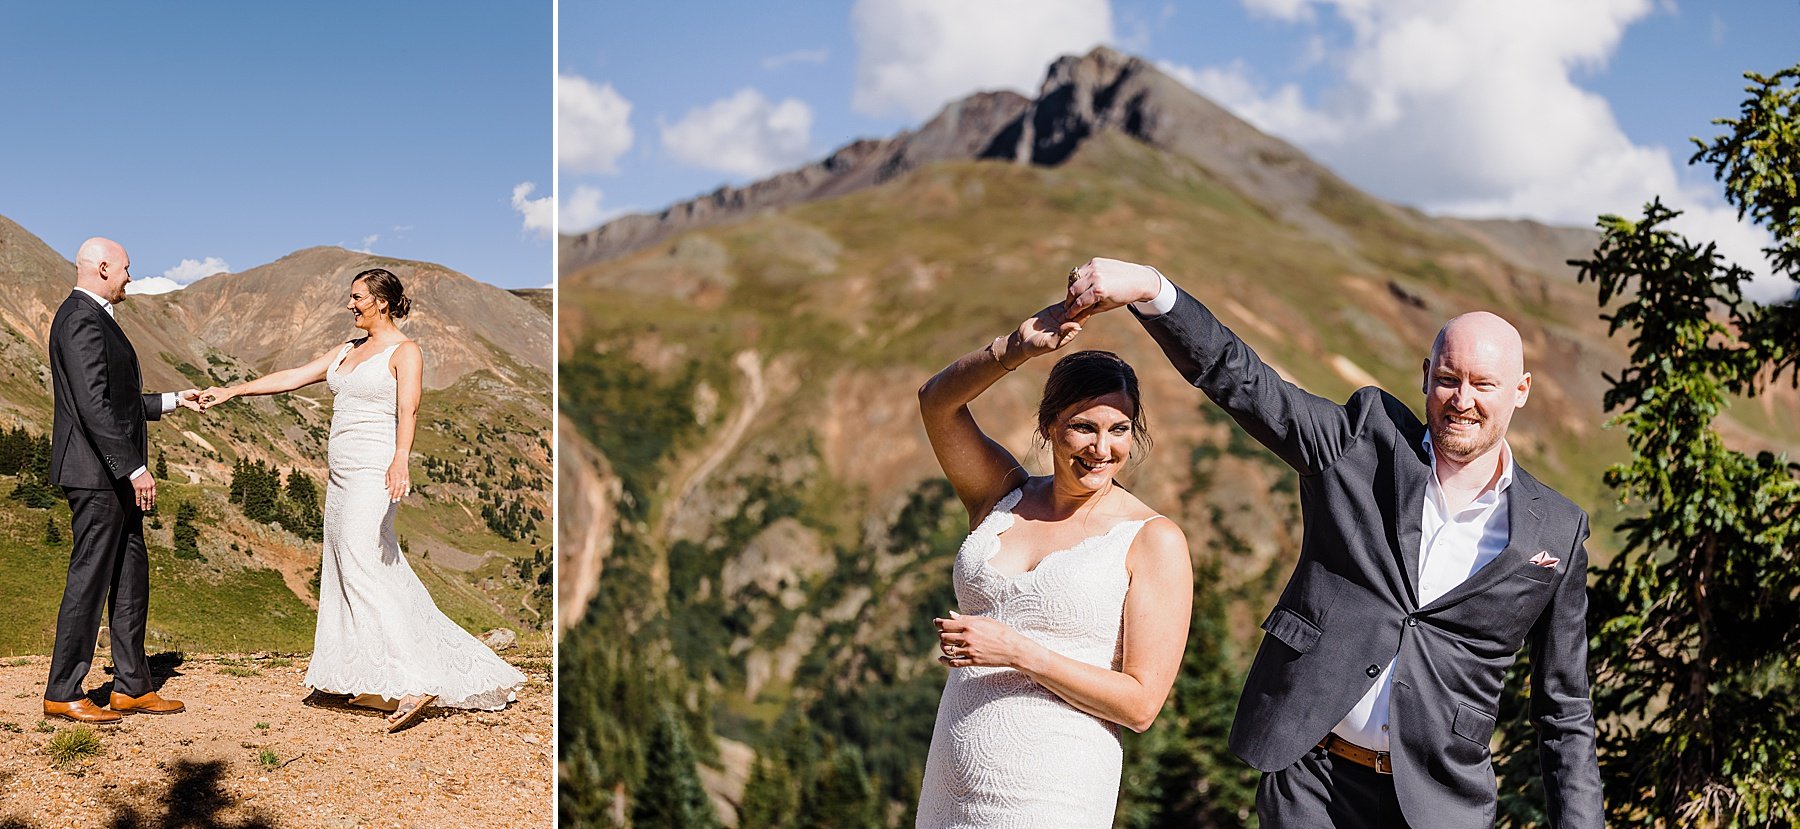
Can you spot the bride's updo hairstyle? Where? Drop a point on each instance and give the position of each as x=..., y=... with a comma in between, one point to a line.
x=385, y=286
x=1085, y=376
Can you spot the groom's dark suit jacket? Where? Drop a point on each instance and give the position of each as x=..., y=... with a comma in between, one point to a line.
x=98, y=433
x=1351, y=605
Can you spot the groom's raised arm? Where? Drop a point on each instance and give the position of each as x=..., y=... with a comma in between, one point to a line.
x=1305, y=430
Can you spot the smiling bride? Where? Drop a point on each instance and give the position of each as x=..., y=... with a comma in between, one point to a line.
x=380, y=637
x=1073, y=596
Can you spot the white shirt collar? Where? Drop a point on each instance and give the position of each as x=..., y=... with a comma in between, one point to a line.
x=104, y=305
x=1506, y=464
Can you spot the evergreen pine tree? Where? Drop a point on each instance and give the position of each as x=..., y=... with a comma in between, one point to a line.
x=52, y=533
x=40, y=458
x=162, y=467
x=770, y=799
x=842, y=797
x=670, y=796
x=187, y=536
x=15, y=451
x=238, y=481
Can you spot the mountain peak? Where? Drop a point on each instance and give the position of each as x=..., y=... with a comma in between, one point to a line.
x=1081, y=96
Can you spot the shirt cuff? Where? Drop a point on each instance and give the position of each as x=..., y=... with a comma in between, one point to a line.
x=169, y=403
x=1162, y=303
x=136, y=472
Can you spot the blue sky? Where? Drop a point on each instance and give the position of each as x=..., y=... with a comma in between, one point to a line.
x=209, y=135
x=1545, y=109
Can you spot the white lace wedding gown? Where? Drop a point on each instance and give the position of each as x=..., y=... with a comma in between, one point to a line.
x=1007, y=753
x=379, y=632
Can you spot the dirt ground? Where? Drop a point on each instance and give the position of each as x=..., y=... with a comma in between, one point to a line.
x=253, y=751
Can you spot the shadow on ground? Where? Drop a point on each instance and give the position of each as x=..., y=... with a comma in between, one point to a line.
x=194, y=799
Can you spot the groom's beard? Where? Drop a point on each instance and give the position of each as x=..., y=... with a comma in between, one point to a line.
x=1462, y=446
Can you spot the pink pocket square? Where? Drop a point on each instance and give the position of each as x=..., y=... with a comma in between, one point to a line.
x=1544, y=559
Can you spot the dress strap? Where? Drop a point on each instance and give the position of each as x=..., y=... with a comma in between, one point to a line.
x=342, y=353
x=1000, y=517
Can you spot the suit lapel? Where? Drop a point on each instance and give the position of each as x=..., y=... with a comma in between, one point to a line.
x=1524, y=522
x=1412, y=472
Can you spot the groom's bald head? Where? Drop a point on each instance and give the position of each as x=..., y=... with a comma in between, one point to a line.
x=103, y=266
x=1485, y=331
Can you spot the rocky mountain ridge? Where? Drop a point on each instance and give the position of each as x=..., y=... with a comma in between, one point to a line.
x=1080, y=97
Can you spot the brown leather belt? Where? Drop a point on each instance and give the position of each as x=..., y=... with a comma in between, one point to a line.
x=1340, y=747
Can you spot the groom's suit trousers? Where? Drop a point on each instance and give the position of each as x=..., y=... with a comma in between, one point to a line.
x=1320, y=790
x=108, y=570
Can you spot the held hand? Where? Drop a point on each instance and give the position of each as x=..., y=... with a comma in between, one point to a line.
x=1047, y=331
x=214, y=396
x=189, y=399
x=143, y=492
x=1104, y=284
x=977, y=641
x=399, y=480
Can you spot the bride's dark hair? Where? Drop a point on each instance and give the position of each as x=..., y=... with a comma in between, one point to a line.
x=385, y=286
x=1084, y=376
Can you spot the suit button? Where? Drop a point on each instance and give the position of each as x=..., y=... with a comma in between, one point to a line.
x=1411, y=622
x=1373, y=671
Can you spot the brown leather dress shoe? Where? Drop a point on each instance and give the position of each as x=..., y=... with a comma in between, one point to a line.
x=81, y=711
x=149, y=703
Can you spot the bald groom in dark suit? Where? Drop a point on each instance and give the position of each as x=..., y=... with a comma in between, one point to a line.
x=1429, y=558
x=99, y=452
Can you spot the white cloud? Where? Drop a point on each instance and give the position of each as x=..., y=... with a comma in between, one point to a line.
x=539, y=213
x=189, y=270
x=797, y=56
x=1471, y=108
x=368, y=243
x=182, y=275
x=153, y=285
x=581, y=210
x=914, y=56
x=745, y=134
x=594, y=125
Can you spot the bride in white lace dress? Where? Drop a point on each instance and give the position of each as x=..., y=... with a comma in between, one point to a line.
x=1073, y=596
x=379, y=637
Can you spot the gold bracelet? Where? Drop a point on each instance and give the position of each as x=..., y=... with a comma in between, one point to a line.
x=995, y=353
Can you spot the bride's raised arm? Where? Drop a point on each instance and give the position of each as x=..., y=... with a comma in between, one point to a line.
x=979, y=468
x=408, y=366
x=273, y=382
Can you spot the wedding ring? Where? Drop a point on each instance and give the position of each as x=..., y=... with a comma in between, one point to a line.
x=1074, y=273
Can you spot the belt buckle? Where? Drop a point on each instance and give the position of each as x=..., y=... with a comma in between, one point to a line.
x=1383, y=764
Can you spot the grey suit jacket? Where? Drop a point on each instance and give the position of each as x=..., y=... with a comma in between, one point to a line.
x=97, y=435
x=1351, y=604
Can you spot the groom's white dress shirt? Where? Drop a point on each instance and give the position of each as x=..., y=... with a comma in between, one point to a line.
x=1452, y=547
x=170, y=399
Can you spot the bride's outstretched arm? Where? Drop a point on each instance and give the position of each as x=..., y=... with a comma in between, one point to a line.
x=273, y=382
x=409, y=371
x=1158, y=606
x=979, y=468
